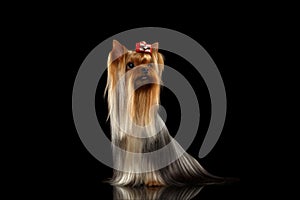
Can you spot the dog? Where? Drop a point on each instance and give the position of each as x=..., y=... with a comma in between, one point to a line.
x=137, y=131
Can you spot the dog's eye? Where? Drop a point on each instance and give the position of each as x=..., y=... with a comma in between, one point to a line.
x=130, y=65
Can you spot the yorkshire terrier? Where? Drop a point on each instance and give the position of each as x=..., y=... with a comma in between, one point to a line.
x=137, y=131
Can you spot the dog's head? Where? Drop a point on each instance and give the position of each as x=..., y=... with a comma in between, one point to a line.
x=141, y=69
x=137, y=74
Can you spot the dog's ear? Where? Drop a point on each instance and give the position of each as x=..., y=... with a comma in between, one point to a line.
x=159, y=57
x=155, y=47
x=118, y=50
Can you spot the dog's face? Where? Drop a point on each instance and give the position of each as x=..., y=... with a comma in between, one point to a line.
x=140, y=69
x=141, y=72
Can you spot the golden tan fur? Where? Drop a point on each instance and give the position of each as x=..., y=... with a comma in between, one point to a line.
x=133, y=98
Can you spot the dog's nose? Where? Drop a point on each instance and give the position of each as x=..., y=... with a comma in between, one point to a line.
x=145, y=70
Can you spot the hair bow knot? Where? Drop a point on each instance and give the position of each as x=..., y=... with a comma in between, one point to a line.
x=143, y=47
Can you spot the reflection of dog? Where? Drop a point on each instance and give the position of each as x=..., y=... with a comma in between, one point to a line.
x=133, y=88
x=157, y=193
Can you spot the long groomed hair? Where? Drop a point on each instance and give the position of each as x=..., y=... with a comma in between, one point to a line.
x=137, y=129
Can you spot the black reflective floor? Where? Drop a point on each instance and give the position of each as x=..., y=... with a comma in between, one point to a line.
x=231, y=191
x=106, y=191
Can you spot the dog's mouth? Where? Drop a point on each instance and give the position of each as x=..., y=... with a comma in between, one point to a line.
x=143, y=80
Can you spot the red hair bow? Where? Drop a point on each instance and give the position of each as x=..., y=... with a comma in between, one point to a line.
x=143, y=47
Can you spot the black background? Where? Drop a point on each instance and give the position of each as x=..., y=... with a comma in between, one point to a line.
x=45, y=44
x=76, y=172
